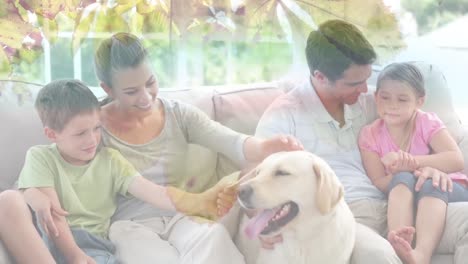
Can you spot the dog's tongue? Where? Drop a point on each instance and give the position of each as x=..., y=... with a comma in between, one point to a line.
x=258, y=223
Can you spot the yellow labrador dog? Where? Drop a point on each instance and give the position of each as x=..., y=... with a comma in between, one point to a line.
x=298, y=195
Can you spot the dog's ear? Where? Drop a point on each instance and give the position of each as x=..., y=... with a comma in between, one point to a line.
x=329, y=190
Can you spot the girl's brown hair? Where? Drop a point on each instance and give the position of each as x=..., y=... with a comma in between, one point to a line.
x=404, y=72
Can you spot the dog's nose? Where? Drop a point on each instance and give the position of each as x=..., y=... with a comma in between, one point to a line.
x=245, y=192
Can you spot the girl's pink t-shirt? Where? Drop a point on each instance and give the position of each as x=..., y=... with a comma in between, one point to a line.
x=376, y=138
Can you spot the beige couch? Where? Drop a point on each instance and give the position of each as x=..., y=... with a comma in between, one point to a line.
x=238, y=107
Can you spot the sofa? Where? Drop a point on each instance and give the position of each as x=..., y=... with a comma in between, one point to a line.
x=238, y=107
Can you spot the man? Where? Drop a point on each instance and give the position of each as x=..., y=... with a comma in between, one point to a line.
x=326, y=113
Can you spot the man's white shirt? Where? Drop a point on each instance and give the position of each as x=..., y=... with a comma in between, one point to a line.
x=301, y=113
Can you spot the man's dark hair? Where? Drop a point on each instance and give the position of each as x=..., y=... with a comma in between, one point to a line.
x=334, y=46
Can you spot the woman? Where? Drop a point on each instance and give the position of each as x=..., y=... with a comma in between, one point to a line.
x=154, y=134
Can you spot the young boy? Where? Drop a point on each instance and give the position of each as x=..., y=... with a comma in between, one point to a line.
x=77, y=174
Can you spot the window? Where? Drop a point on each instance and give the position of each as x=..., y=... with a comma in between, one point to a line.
x=198, y=43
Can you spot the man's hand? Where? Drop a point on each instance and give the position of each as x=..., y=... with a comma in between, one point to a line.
x=257, y=149
x=269, y=242
x=395, y=162
x=438, y=178
x=45, y=210
x=280, y=143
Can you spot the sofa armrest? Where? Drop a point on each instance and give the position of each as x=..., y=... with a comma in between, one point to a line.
x=4, y=256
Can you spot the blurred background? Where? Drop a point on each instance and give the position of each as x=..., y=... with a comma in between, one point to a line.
x=196, y=43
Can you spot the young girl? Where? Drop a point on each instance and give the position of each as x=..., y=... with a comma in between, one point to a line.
x=396, y=148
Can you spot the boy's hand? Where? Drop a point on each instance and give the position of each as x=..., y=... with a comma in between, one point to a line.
x=216, y=201
x=203, y=204
x=226, y=199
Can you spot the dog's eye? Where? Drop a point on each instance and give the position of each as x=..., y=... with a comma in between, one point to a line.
x=281, y=173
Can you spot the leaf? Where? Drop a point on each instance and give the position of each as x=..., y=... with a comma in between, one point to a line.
x=221, y=19
x=299, y=12
x=284, y=23
x=108, y=21
x=45, y=8
x=49, y=28
x=126, y=2
x=33, y=40
x=164, y=6
x=27, y=55
x=124, y=8
x=136, y=23
x=236, y=4
x=83, y=24
x=156, y=22
x=145, y=7
x=261, y=18
x=13, y=32
x=227, y=22
x=5, y=66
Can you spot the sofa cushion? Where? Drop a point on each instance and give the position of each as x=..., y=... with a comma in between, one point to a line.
x=241, y=110
x=21, y=128
x=439, y=99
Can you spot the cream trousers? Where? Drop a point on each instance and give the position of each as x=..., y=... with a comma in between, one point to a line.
x=173, y=240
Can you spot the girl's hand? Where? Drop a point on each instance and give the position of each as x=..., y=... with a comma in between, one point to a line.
x=389, y=159
x=395, y=162
x=439, y=178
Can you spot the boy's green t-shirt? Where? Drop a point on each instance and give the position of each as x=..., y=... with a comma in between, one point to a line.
x=88, y=192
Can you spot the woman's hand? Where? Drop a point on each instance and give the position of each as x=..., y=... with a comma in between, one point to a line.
x=45, y=210
x=439, y=178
